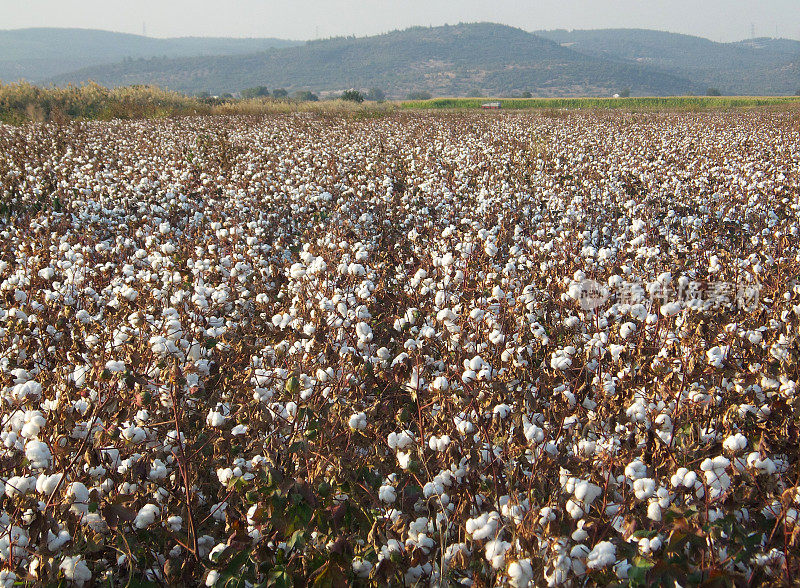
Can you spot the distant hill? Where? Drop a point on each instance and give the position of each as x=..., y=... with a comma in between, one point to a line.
x=460, y=60
x=757, y=66
x=41, y=53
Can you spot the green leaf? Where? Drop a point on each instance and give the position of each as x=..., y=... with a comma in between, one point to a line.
x=297, y=540
x=233, y=569
x=278, y=578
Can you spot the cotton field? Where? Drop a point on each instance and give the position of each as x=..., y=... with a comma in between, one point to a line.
x=551, y=349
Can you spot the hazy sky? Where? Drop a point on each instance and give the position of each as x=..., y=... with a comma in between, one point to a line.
x=307, y=19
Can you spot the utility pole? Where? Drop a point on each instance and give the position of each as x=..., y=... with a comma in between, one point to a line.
x=752, y=30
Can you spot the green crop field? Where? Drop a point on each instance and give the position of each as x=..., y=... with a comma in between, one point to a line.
x=679, y=102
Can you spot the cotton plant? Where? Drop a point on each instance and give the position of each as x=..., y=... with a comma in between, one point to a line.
x=362, y=342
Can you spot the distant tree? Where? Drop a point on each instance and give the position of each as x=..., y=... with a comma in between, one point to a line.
x=280, y=93
x=625, y=93
x=352, y=96
x=797, y=93
x=419, y=95
x=476, y=93
x=527, y=95
x=204, y=95
x=226, y=96
x=375, y=95
x=713, y=92
x=305, y=96
x=257, y=92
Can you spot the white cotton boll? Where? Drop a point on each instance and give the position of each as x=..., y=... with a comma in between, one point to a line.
x=239, y=430
x=46, y=484
x=439, y=443
x=574, y=509
x=115, y=366
x=501, y=411
x=217, y=551
x=764, y=466
x=215, y=419
x=483, y=526
x=146, y=516
x=76, y=570
x=78, y=495
x=297, y=271
x=18, y=486
x=403, y=459
x=56, y=542
x=175, y=523
x=490, y=249
x=47, y=273
x=440, y=384
x=27, y=390
x=158, y=471
x=654, y=511
x=635, y=470
x=357, y=421
x=716, y=355
x=627, y=330
x=603, y=554
x=616, y=351
x=38, y=454
x=364, y=332
x=735, y=443
x=496, y=552
x=644, y=488
x=401, y=440
x=212, y=577
x=469, y=376
x=670, y=309
x=361, y=567
x=387, y=493
x=754, y=337
x=79, y=375
x=586, y=492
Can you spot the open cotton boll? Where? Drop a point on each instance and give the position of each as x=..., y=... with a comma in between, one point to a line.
x=79, y=375
x=627, y=330
x=735, y=443
x=603, y=554
x=78, y=494
x=520, y=573
x=483, y=526
x=146, y=516
x=496, y=552
x=386, y=493
x=38, y=454
x=401, y=440
x=46, y=484
x=670, y=309
x=439, y=443
x=440, y=384
x=716, y=355
x=115, y=366
x=75, y=570
x=357, y=421
x=27, y=390
x=19, y=486
x=683, y=477
x=644, y=488
x=215, y=419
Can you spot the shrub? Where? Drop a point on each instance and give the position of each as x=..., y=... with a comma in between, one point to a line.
x=352, y=96
x=419, y=95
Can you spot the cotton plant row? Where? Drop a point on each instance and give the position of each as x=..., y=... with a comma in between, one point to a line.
x=297, y=348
